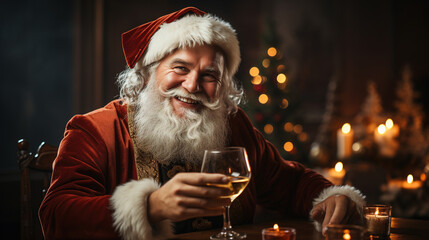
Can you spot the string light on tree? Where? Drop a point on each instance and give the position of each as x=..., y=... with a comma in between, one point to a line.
x=263, y=98
x=288, y=147
x=254, y=71
x=268, y=129
x=266, y=63
x=281, y=78
x=272, y=51
x=257, y=80
x=284, y=103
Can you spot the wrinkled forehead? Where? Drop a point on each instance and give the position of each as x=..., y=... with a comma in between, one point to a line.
x=211, y=53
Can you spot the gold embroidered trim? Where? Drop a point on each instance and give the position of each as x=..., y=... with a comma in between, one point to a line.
x=146, y=165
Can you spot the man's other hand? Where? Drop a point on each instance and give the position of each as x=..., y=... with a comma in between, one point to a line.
x=337, y=209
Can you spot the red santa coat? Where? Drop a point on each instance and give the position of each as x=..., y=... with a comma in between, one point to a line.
x=96, y=156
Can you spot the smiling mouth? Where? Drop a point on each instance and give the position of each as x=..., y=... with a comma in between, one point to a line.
x=187, y=100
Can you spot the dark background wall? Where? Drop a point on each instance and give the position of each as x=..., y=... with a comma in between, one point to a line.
x=60, y=58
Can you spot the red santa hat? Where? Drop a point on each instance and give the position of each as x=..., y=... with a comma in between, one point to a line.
x=188, y=27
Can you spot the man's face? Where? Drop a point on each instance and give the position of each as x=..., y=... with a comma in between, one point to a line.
x=195, y=71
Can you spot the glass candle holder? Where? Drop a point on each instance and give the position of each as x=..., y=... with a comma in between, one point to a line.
x=282, y=233
x=378, y=219
x=344, y=232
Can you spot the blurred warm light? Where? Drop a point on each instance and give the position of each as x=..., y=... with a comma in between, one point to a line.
x=272, y=51
x=257, y=80
x=281, y=86
x=346, y=235
x=303, y=137
x=410, y=178
x=285, y=103
x=268, y=129
x=288, y=127
x=280, y=68
x=297, y=129
x=381, y=129
x=254, y=71
x=339, y=167
x=288, y=146
x=356, y=147
x=423, y=177
x=263, y=98
x=376, y=211
x=389, y=123
x=281, y=78
x=266, y=63
x=346, y=128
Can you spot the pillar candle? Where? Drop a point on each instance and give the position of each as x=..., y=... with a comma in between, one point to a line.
x=344, y=141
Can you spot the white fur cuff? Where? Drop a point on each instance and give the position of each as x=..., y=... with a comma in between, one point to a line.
x=129, y=202
x=354, y=194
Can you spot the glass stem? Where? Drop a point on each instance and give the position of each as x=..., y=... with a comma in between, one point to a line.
x=226, y=222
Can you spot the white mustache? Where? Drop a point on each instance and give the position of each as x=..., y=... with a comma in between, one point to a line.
x=201, y=98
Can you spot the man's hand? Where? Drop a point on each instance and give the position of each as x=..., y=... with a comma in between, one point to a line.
x=337, y=209
x=187, y=195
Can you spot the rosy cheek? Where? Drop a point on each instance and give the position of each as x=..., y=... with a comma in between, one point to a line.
x=168, y=81
x=210, y=91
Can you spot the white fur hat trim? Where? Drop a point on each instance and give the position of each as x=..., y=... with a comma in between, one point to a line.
x=192, y=30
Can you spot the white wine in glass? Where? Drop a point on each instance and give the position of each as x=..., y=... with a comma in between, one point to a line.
x=234, y=163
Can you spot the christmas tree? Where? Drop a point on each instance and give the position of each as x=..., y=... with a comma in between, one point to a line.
x=369, y=118
x=409, y=117
x=321, y=148
x=271, y=105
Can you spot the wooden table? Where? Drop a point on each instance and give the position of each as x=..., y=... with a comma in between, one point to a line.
x=402, y=229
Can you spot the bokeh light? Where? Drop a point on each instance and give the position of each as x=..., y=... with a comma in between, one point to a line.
x=263, y=98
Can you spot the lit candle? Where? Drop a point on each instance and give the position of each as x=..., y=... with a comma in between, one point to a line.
x=411, y=184
x=344, y=232
x=336, y=174
x=385, y=136
x=344, y=141
x=277, y=233
x=392, y=129
x=378, y=218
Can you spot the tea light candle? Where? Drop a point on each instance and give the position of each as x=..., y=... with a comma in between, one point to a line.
x=411, y=184
x=336, y=174
x=344, y=232
x=378, y=219
x=277, y=233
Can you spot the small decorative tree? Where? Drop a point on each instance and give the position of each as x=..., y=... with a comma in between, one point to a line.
x=370, y=116
x=409, y=117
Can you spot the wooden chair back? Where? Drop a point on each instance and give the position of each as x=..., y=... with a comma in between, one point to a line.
x=40, y=162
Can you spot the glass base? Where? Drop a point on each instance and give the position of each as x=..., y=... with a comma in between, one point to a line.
x=228, y=235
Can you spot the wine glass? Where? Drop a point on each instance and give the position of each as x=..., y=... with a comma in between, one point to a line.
x=233, y=162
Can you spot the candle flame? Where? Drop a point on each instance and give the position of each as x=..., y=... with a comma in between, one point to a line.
x=346, y=235
x=389, y=123
x=376, y=212
x=381, y=129
x=276, y=227
x=339, y=167
x=410, y=178
x=346, y=128
x=423, y=177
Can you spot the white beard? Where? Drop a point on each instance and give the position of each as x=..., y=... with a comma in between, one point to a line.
x=169, y=137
